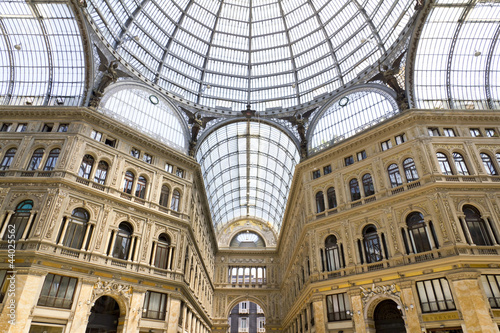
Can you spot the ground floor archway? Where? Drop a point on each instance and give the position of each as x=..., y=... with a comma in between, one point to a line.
x=388, y=318
x=104, y=316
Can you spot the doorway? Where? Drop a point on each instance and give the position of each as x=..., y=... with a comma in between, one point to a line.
x=388, y=318
x=104, y=316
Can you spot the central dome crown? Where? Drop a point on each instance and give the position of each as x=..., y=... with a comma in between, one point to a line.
x=270, y=54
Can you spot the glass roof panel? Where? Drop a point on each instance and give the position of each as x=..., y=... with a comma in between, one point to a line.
x=147, y=113
x=296, y=34
x=456, y=64
x=349, y=115
x=248, y=169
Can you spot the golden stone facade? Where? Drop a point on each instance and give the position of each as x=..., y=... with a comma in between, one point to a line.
x=378, y=254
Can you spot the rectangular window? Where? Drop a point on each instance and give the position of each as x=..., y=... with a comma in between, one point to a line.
x=261, y=322
x=490, y=132
x=154, y=305
x=169, y=168
x=327, y=169
x=243, y=307
x=57, y=291
x=21, y=127
x=135, y=152
x=63, y=128
x=475, y=132
x=243, y=325
x=361, y=155
x=179, y=173
x=6, y=127
x=147, y=158
x=47, y=127
x=435, y=295
x=433, y=132
x=449, y=132
x=96, y=135
x=491, y=286
x=386, y=145
x=316, y=174
x=110, y=142
x=348, y=160
x=337, y=307
x=400, y=138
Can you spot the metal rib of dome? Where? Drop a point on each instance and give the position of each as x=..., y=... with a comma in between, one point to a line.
x=269, y=53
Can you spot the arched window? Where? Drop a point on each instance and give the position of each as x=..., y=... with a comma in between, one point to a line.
x=164, y=196
x=333, y=256
x=75, y=231
x=332, y=198
x=128, y=182
x=444, y=164
x=163, y=255
x=460, y=164
x=354, y=188
x=176, y=198
x=488, y=164
x=50, y=164
x=373, y=249
x=36, y=158
x=86, y=166
x=19, y=219
x=498, y=158
x=7, y=159
x=477, y=226
x=417, y=231
x=101, y=172
x=122, y=241
x=394, y=175
x=140, y=190
x=410, y=170
x=368, y=185
x=320, y=202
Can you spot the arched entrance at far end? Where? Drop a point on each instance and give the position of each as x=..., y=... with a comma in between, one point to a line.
x=388, y=318
x=246, y=317
x=104, y=316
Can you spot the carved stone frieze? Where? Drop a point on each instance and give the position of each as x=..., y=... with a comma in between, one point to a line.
x=368, y=293
x=55, y=214
x=101, y=288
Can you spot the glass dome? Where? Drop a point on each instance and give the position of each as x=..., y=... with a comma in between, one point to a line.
x=269, y=53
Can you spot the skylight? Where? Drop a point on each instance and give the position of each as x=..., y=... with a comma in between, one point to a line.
x=248, y=168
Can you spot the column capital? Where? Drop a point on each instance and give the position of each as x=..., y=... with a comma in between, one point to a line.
x=464, y=275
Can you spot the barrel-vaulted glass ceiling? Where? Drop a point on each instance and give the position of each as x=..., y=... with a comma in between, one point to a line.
x=269, y=53
x=247, y=168
x=41, y=54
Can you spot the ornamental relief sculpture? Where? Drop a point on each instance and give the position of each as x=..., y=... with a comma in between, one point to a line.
x=368, y=293
x=101, y=288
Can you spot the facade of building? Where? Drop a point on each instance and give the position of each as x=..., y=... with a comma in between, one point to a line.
x=134, y=198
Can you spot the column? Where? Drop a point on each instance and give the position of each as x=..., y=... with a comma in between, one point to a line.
x=27, y=290
x=7, y=220
x=87, y=231
x=410, y=313
x=66, y=220
x=130, y=253
x=429, y=236
x=174, y=313
x=83, y=306
x=470, y=300
x=137, y=248
x=28, y=225
x=319, y=313
x=153, y=256
x=357, y=311
x=112, y=234
x=488, y=227
x=184, y=317
x=170, y=256
x=468, y=237
x=135, y=311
